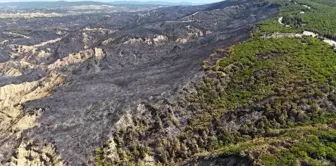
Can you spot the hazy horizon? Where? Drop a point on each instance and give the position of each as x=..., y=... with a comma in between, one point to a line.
x=107, y=1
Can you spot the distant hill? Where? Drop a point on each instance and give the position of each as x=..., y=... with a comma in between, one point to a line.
x=41, y=4
x=162, y=3
x=66, y=4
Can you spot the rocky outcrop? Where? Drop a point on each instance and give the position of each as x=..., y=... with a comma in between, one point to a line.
x=30, y=154
x=156, y=40
x=77, y=58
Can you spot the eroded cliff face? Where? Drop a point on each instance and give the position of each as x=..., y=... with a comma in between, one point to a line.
x=64, y=96
x=14, y=119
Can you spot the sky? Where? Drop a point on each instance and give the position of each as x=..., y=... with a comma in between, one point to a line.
x=174, y=1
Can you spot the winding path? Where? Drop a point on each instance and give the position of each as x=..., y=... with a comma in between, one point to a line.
x=305, y=33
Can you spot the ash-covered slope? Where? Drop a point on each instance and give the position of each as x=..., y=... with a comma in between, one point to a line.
x=65, y=85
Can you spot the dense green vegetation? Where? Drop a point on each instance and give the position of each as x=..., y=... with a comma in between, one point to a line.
x=272, y=101
x=285, y=83
x=310, y=145
x=313, y=15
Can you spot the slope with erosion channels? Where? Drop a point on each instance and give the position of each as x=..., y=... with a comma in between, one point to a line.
x=266, y=101
x=68, y=83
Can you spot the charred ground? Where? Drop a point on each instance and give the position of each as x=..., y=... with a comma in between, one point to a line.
x=72, y=78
